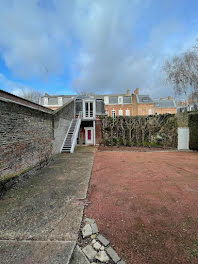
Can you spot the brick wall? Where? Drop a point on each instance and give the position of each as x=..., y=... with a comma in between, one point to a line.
x=98, y=131
x=26, y=136
x=165, y=110
x=143, y=109
x=123, y=107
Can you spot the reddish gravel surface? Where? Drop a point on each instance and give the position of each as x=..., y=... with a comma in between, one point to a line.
x=146, y=204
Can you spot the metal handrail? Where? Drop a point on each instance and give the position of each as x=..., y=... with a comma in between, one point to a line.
x=66, y=134
x=73, y=139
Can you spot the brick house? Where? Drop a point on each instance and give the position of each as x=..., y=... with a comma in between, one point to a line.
x=137, y=104
x=120, y=104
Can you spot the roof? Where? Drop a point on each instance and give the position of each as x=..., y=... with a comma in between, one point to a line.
x=22, y=101
x=165, y=103
x=55, y=96
x=144, y=99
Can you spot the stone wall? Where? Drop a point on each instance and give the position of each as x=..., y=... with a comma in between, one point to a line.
x=26, y=137
x=158, y=130
x=62, y=119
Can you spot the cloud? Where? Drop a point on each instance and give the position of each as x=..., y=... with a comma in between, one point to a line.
x=94, y=39
x=13, y=87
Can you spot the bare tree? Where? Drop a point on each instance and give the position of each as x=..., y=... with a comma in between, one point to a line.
x=31, y=95
x=182, y=72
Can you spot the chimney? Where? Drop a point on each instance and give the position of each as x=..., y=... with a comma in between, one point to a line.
x=128, y=92
x=161, y=98
x=169, y=98
x=136, y=91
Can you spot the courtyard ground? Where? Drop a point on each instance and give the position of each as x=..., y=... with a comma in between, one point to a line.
x=146, y=204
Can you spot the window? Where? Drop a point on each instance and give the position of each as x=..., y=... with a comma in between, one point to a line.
x=120, y=112
x=127, y=99
x=53, y=101
x=113, y=113
x=150, y=112
x=127, y=112
x=113, y=99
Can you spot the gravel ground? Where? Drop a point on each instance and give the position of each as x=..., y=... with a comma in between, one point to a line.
x=146, y=204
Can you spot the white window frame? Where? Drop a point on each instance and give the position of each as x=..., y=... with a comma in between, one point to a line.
x=120, y=112
x=127, y=112
x=120, y=99
x=45, y=100
x=113, y=113
x=150, y=111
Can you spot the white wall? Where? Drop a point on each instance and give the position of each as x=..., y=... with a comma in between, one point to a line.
x=183, y=138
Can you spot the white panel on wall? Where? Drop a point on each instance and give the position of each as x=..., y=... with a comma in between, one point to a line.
x=45, y=100
x=183, y=138
x=120, y=99
x=106, y=99
x=60, y=101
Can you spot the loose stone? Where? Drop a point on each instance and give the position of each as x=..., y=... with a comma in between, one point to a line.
x=93, y=236
x=103, y=240
x=89, y=252
x=86, y=231
x=89, y=221
x=114, y=256
x=97, y=245
x=94, y=228
x=93, y=241
x=102, y=256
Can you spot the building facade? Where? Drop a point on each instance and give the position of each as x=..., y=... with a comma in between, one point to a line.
x=137, y=104
x=54, y=101
x=134, y=104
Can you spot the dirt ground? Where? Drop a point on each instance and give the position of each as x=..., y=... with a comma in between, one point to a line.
x=146, y=204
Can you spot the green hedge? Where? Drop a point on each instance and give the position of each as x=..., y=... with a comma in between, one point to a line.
x=193, y=126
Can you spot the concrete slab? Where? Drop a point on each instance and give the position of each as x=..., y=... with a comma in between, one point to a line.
x=49, y=205
x=78, y=257
x=23, y=252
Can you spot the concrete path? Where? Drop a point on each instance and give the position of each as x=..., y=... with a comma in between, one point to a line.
x=40, y=219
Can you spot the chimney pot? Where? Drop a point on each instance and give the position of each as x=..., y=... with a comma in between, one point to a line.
x=136, y=91
x=128, y=92
x=169, y=97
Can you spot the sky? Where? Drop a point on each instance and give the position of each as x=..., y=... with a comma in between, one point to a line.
x=99, y=46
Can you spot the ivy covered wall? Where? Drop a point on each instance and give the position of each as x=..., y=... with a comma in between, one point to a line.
x=159, y=130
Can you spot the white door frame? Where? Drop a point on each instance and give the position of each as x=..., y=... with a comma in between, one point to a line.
x=87, y=141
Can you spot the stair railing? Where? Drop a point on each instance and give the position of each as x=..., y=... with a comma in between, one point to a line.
x=75, y=133
x=66, y=135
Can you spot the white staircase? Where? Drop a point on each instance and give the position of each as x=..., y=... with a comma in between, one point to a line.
x=71, y=136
